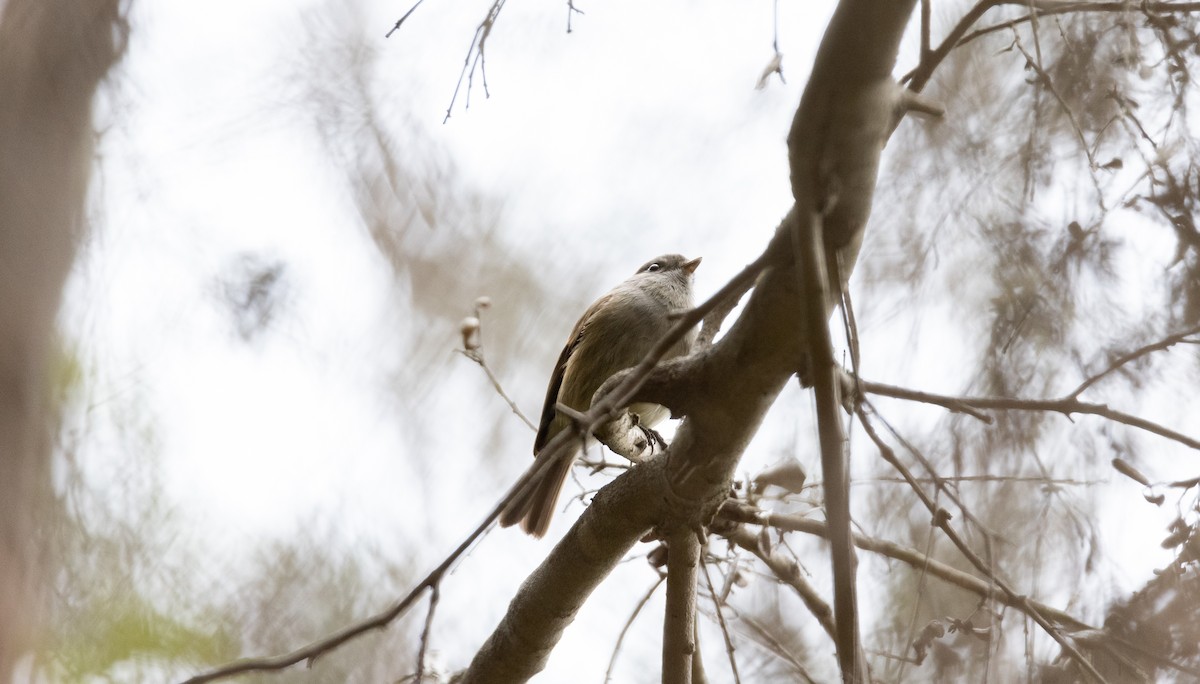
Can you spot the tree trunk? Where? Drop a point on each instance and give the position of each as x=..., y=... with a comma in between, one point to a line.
x=53, y=54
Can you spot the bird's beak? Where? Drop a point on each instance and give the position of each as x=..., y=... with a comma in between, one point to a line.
x=690, y=266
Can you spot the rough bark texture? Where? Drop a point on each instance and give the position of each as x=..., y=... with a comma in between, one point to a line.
x=53, y=54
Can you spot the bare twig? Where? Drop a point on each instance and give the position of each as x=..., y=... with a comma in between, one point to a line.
x=789, y=573
x=434, y=595
x=741, y=512
x=764, y=638
x=612, y=661
x=320, y=647
x=721, y=621
x=472, y=338
x=941, y=519
x=1046, y=9
x=401, y=19
x=1044, y=79
x=476, y=355
x=961, y=34
x=475, y=56
x=571, y=10
x=1065, y=406
x=1129, y=357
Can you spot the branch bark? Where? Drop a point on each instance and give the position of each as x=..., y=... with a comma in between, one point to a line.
x=679, y=628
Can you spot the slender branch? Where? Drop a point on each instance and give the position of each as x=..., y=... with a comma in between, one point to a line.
x=1129, y=357
x=612, y=660
x=741, y=512
x=1066, y=406
x=721, y=621
x=475, y=50
x=789, y=573
x=476, y=355
x=401, y=19
x=763, y=637
x=738, y=511
x=1050, y=9
x=919, y=77
x=1047, y=82
x=961, y=34
x=322, y=646
x=434, y=595
x=809, y=245
x=941, y=519
x=679, y=624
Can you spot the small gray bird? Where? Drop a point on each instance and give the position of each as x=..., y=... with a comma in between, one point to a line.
x=615, y=333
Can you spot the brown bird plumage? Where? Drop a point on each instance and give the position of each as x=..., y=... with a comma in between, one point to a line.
x=615, y=333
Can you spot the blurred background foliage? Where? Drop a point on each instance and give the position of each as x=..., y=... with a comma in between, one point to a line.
x=1018, y=246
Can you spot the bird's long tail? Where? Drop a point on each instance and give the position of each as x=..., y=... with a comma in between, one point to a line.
x=535, y=509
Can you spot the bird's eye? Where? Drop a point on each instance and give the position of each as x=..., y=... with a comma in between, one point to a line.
x=653, y=267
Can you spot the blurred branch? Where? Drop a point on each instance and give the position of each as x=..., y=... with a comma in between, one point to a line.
x=789, y=573
x=1161, y=345
x=381, y=620
x=1050, y=9
x=763, y=637
x=721, y=621
x=612, y=660
x=1066, y=406
x=919, y=77
x=737, y=511
x=941, y=519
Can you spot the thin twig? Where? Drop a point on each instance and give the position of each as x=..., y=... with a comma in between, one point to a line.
x=738, y=511
x=1048, y=84
x=571, y=10
x=1065, y=406
x=322, y=646
x=401, y=19
x=1161, y=345
x=476, y=355
x=919, y=77
x=763, y=637
x=1049, y=9
x=612, y=660
x=721, y=621
x=788, y=572
x=434, y=595
x=941, y=519
x=476, y=50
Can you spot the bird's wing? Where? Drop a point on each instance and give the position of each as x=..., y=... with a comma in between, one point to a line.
x=556, y=379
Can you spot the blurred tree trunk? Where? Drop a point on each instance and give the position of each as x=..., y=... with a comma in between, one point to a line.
x=53, y=54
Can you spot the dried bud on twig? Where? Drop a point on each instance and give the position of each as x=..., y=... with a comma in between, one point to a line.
x=470, y=333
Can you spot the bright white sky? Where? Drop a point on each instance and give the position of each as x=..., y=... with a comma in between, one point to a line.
x=640, y=133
